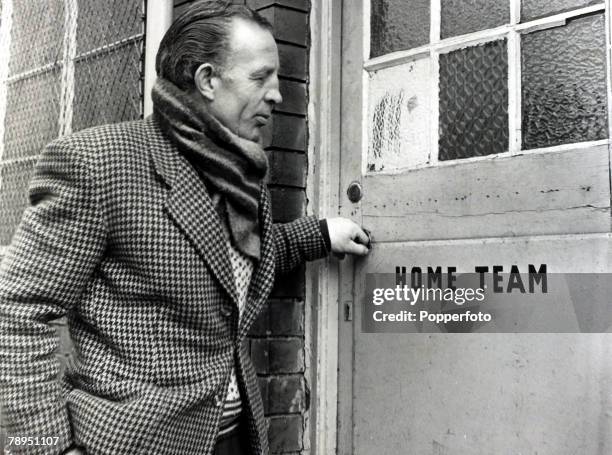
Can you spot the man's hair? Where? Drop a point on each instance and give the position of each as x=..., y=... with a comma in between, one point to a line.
x=200, y=35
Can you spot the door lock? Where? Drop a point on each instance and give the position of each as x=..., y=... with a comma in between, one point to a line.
x=354, y=192
x=348, y=310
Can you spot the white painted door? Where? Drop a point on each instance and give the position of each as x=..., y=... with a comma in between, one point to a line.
x=479, y=134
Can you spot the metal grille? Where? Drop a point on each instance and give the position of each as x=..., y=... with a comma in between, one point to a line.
x=108, y=63
x=65, y=65
x=15, y=176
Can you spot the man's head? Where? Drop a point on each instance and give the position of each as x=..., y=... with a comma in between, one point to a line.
x=226, y=57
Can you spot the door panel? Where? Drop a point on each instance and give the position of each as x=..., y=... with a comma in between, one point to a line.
x=524, y=195
x=473, y=393
x=482, y=394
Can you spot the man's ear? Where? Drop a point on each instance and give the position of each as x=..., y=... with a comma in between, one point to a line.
x=203, y=80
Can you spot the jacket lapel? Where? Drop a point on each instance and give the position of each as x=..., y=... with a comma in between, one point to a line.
x=191, y=208
x=263, y=275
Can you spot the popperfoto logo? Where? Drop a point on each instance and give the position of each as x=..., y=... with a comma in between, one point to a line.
x=491, y=299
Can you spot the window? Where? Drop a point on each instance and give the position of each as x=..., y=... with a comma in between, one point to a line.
x=459, y=79
x=64, y=65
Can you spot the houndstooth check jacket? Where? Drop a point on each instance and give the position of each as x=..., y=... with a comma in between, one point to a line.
x=121, y=236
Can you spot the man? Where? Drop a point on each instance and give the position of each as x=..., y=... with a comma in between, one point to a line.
x=155, y=239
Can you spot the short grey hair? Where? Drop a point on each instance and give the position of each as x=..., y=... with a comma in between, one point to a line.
x=200, y=35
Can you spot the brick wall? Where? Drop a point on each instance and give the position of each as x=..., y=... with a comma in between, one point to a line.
x=277, y=340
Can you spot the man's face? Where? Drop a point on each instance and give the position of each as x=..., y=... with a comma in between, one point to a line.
x=247, y=90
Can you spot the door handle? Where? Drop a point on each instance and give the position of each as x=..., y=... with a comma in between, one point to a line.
x=354, y=192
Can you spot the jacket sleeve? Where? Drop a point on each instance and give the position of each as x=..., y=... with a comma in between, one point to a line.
x=46, y=268
x=298, y=241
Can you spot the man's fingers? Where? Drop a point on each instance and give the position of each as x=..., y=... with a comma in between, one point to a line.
x=347, y=237
x=358, y=249
x=362, y=237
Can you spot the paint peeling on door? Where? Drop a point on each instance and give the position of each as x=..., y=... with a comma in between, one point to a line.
x=398, y=108
x=386, y=124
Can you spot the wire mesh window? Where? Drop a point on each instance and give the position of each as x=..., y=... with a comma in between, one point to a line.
x=65, y=65
x=503, y=83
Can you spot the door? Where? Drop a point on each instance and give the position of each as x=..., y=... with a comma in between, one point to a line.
x=474, y=133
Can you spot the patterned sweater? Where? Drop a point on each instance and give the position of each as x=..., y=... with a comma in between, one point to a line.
x=243, y=267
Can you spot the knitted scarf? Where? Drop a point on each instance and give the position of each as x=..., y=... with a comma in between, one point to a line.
x=230, y=165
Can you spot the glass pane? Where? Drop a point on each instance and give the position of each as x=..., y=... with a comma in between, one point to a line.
x=32, y=111
x=37, y=34
x=103, y=22
x=564, y=84
x=108, y=80
x=108, y=87
x=15, y=179
x=465, y=16
x=474, y=101
x=396, y=26
x=532, y=9
x=398, y=116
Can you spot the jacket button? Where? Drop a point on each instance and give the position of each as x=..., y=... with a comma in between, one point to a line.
x=226, y=311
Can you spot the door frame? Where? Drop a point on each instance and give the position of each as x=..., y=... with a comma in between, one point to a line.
x=159, y=15
x=329, y=289
x=323, y=193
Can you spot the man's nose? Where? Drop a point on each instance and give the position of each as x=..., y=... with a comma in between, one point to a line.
x=277, y=97
x=273, y=95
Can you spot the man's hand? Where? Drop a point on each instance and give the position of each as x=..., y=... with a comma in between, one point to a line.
x=347, y=237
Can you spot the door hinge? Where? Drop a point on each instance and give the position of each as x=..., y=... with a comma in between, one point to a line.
x=348, y=310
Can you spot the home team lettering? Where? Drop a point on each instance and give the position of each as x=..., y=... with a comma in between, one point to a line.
x=508, y=281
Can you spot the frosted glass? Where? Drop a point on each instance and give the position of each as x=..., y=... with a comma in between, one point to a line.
x=533, y=9
x=474, y=101
x=465, y=16
x=564, y=84
x=397, y=25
